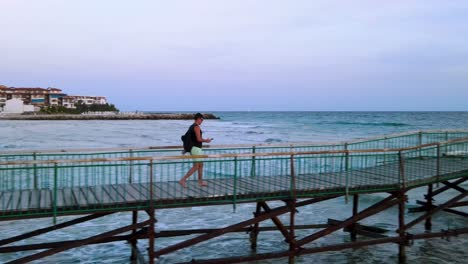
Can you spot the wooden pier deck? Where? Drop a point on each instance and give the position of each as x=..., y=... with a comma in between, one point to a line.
x=222, y=191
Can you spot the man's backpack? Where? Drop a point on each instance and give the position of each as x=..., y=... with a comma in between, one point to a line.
x=187, y=141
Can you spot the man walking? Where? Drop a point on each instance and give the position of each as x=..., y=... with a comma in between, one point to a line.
x=196, y=136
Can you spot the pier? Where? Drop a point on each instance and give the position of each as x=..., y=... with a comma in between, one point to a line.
x=94, y=183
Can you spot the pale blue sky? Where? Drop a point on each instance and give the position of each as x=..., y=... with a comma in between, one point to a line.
x=214, y=55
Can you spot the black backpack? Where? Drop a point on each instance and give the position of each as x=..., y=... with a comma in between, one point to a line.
x=187, y=140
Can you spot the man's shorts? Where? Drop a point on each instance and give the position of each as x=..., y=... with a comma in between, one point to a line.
x=196, y=151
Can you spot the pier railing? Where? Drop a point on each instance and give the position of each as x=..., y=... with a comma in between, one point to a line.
x=73, y=183
x=402, y=140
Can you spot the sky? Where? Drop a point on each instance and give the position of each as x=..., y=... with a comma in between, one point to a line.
x=240, y=55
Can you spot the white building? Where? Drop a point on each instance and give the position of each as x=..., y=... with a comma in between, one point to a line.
x=69, y=101
x=16, y=106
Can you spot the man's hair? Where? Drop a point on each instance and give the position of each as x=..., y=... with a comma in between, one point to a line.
x=197, y=115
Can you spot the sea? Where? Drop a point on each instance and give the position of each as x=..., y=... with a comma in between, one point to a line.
x=238, y=128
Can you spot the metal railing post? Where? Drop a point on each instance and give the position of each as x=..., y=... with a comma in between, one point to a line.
x=253, y=169
x=401, y=171
x=438, y=164
x=151, y=172
x=151, y=231
x=54, y=205
x=35, y=171
x=293, y=178
x=292, y=215
x=234, y=197
x=420, y=141
x=130, y=173
x=347, y=174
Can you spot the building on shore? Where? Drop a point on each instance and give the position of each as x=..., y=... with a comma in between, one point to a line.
x=17, y=106
x=70, y=101
x=43, y=97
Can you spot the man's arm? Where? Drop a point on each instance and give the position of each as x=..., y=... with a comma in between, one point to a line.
x=198, y=135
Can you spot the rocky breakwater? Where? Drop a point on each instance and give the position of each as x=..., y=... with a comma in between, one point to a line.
x=97, y=116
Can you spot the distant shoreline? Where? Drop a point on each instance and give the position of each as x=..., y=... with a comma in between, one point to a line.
x=136, y=116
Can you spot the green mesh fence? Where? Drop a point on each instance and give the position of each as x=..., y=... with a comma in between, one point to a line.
x=53, y=184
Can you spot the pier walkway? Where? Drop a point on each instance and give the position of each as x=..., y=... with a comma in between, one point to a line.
x=100, y=182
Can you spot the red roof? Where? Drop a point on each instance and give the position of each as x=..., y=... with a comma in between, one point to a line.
x=31, y=89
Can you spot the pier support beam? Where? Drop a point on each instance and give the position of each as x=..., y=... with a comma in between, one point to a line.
x=292, y=234
x=272, y=214
x=428, y=224
x=255, y=229
x=372, y=210
x=355, y=212
x=134, y=241
x=401, y=231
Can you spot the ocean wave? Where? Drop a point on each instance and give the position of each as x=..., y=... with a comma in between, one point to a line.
x=254, y=133
x=273, y=140
x=392, y=124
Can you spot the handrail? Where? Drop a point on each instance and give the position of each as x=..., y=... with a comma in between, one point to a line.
x=244, y=155
x=318, y=144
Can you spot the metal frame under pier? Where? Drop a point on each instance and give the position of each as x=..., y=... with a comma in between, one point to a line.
x=297, y=246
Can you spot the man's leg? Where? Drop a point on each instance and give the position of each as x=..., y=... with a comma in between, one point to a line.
x=200, y=175
x=189, y=173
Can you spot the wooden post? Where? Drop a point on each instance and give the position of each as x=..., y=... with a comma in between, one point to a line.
x=292, y=234
x=428, y=224
x=255, y=229
x=401, y=224
x=355, y=212
x=134, y=242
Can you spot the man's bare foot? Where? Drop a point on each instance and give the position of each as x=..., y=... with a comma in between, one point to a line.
x=183, y=183
x=202, y=183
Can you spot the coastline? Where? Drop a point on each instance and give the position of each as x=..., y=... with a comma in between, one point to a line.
x=160, y=116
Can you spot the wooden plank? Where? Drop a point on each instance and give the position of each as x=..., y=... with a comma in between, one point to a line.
x=445, y=165
x=367, y=176
x=65, y=198
x=220, y=184
x=266, y=184
x=356, y=178
x=329, y=180
x=138, y=193
x=6, y=200
x=128, y=192
x=24, y=202
x=313, y=183
x=35, y=199
x=159, y=190
x=101, y=196
x=89, y=196
x=46, y=199
x=14, y=201
x=177, y=191
x=209, y=191
x=113, y=195
x=241, y=189
x=79, y=197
